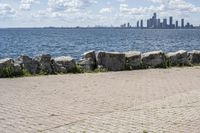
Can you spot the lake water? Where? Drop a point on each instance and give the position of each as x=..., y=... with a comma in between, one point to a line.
x=74, y=42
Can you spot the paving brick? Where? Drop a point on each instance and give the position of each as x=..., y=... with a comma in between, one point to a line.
x=160, y=100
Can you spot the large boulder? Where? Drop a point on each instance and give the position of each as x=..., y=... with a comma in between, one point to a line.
x=28, y=64
x=86, y=65
x=113, y=61
x=154, y=59
x=88, y=62
x=57, y=68
x=5, y=63
x=64, y=64
x=179, y=58
x=194, y=57
x=18, y=71
x=9, y=69
x=133, y=60
x=90, y=55
x=45, y=63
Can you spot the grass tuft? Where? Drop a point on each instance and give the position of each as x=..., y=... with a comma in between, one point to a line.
x=9, y=72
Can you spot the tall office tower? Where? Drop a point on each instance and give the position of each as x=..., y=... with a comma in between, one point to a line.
x=182, y=23
x=128, y=25
x=161, y=25
x=138, y=24
x=148, y=23
x=164, y=23
x=176, y=24
x=158, y=23
x=170, y=22
x=155, y=16
x=141, y=23
x=154, y=19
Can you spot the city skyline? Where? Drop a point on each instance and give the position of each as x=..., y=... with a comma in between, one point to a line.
x=72, y=13
x=156, y=23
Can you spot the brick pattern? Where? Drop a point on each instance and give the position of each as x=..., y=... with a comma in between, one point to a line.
x=169, y=101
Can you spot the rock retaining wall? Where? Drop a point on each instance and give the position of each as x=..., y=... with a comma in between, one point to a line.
x=91, y=61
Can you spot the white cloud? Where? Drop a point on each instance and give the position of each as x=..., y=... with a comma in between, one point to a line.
x=125, y=9
x=122, y=1
x=178, y=5
x=67, y=12
x=6, y=11
x=69, y=5
x=163, y=7
x=26, y=4
x=106, y=10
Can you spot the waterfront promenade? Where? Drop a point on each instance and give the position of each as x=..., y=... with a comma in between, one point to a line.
x=153, y=100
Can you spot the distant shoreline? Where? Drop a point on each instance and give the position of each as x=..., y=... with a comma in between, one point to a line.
x=195, y=28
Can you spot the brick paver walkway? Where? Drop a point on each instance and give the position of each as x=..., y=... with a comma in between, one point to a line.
x=157, y=101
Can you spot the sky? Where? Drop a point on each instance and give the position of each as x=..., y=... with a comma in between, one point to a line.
x=70, y=13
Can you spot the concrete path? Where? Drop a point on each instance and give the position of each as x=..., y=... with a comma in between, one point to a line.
x=159, y=100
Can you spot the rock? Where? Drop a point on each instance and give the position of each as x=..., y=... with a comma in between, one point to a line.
x=28, y=64
x=57, y=68
x=87, y=65
x=113, y=61
x=133, y=60
x=89, y=61
x=45, y=63
x=9, y=69
x=6, y=67
x=65, y=64
x=17, y=69
x=154, y=59
x=178, y=58
x=5, y=63
x=194, y=57
x=90, y=55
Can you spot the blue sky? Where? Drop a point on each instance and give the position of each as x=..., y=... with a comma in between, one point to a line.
x=66, y=13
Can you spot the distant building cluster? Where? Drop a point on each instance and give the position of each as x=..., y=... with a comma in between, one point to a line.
x=157, y=23
x=128, y=25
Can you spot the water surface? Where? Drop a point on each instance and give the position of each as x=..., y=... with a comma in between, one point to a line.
x=74, y=42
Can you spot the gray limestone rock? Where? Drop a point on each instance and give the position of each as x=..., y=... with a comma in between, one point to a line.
x=9, y=69
x=90, y=55
x=194, y=57
x=64, y=64
x=133, y=60
x=178, y=58
x=45, y=63
x=5, y=63
x=87, y=65
x=113, y=61
x=154, y=59
x=88, y=62
x=28, y=64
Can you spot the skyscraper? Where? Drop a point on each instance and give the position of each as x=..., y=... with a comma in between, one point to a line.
x=182, y=23
x=141, y=24
x=171, y=22
x=151, y=22
x=138, y=24
x=154, y=19
x=164, y=23
x=155, y=16
x=158, y=23
x=176, y=24
x=148, y=23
